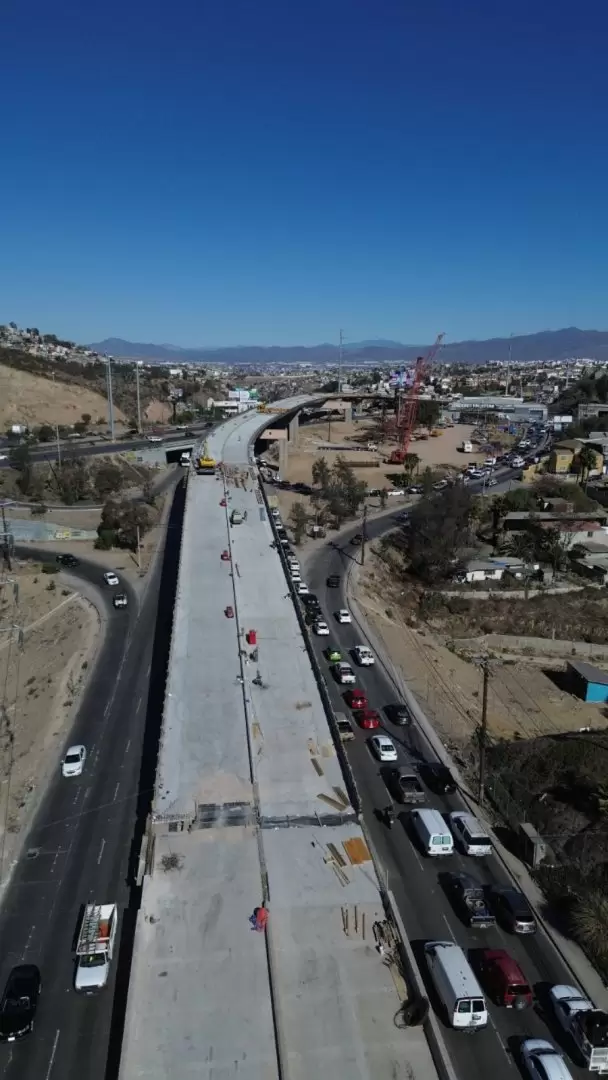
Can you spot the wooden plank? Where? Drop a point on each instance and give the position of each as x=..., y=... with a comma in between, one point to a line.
x=317, y=765
x=357, y=850
x=331, y=802
x=341, y=861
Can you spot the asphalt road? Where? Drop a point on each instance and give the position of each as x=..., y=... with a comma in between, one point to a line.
x=78, y=448
x=416, y=880
x=85, y=840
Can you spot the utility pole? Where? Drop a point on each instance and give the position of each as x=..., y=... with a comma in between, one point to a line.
x=110, y=401
x=341, y=353
x=7, y=544
x=138, y=551
x=508, y=369
x=364, y=534
x=483, y=730
x=137, y=367
x=58, y=445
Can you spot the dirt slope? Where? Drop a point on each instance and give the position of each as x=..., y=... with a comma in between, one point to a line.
x=31, y=399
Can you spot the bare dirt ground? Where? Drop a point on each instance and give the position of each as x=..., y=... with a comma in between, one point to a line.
x=524, y=701
x=41, y=685
x=30, y=399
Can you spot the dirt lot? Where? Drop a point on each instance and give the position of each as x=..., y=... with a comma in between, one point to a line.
x=41, y=686
x=30, y=399
x=435, y=452
x=524, y=700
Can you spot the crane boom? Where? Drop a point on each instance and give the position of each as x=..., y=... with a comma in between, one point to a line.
x=409, y=403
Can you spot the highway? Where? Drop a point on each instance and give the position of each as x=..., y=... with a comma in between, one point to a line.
x=77, y=448
x=85, y=840
x=416, y=881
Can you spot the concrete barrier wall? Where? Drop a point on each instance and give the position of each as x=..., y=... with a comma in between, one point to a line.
x=530, y=646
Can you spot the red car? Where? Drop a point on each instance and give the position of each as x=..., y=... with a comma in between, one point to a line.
x=356, y=699
x=367, y=718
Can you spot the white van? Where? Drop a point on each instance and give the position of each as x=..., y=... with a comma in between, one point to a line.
x=432, y=831
x=456, y=985
x=469, y=834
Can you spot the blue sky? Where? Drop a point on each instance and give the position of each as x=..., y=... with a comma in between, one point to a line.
x=267, y=172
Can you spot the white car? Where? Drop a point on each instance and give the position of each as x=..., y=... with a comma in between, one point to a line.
x=364, y=656
x=296, y=577
x=302, y=588
x=543, y=1062
x=111, y=578
x=343, y=616
x=73, y=762
x=567, y=1001
x=396, y=491
x=321, y=629
x=383, y=748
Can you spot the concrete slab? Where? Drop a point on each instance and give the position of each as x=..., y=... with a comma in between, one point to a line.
x=337, y=998
x=203, y=756
x=199, y=996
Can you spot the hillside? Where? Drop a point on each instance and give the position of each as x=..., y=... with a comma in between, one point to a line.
x=31, y=399
x=525, y=348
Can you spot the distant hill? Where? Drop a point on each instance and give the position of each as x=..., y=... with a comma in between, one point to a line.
x=527, y=348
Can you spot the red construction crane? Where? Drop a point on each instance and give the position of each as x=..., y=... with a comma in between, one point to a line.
x=408, y=404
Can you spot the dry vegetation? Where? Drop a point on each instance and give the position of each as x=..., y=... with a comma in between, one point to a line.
x=26, y=398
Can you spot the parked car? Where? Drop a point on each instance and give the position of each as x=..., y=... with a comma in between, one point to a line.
x=468, y=899
x=67, y=560
x=367, y=718
x=301, y=588
x=383, y=748
x=512, y=909
x=111, y=578
x=504, y=980
x=399, y=714
x=19, y=1002
x=73, y=762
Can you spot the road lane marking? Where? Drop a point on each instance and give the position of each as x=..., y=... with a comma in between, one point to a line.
x=138, y=704
x=116, y=792
x=53, y=1052
x=99, y=857
x=450, y=931
x=127, y=747
x=502, y=1045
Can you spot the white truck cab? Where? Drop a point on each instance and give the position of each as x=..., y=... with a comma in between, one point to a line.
x=95, y=947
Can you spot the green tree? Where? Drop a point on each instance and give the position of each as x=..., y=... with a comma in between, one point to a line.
x=321, y=474
x=522, y=545
x=587, y=461
x=555, y=546
x=108, y=479
x=428, y=413
x=427, y=480
x=46, y=433
x=86, y=418
x=20, y=459
x=298, y=519
x=410, y=464
x=439, y=528
x=353, y=491
x=72, y=480
x=590, y=923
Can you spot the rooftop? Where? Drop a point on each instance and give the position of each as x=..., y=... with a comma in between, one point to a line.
x=589, y=672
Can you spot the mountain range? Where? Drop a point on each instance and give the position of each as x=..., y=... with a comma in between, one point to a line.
x=526, y=348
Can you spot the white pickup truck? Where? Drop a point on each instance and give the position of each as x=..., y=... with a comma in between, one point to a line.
x=344, y=674
x=587, y=1025
x=95, y=947
x=364, y=656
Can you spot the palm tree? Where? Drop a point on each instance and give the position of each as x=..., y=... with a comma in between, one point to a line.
x=321, y=473
x=522, y=546
x=410, y=464
x=590, y=921
x=586, y=460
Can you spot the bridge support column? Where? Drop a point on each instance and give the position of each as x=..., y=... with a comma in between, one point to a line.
x=348, y=413
x=283, y=457
x=294, y=430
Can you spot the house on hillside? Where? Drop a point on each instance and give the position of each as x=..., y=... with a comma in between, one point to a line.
x=592, y=561
x=563, y=458
x=579, y=527
x=494, y=568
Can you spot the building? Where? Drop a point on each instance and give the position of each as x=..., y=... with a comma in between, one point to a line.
x=573, y=528
x=587, y=681
x=493, y=568
x=511, y=408
x=563, y=458
x=590, y=408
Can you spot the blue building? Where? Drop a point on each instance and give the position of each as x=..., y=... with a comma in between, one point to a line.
x=588, y=682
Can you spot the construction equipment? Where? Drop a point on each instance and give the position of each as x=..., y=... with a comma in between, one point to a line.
x=205, y=462
x=95, y=946
x=408, y=404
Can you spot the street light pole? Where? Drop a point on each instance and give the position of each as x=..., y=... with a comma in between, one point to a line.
x=364, y=534
x=6, y=544
x=483, y=730
x=110, y=401
x=58, y=445
x=137, y=367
